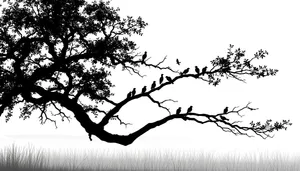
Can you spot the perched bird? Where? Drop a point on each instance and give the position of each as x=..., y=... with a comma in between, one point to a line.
x=189, y=109
x=129, y=95
x=169, y=79
x=144, y=56
x=133, y=92
x=177, y=61
x=161, y=79
x=225, y=110
x=204, y=70
x=144, y=89
x=153, y=85
x=185, y=71
x=224, y=118
x=178, y=111
x=197, y=70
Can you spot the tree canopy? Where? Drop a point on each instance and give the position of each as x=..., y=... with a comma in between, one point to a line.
x=53, y=53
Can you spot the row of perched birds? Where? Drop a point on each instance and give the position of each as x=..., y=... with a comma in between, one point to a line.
x=189, y=110
x=161, y=79
x=197, y=70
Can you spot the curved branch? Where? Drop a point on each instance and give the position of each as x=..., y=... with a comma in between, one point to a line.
x=159, y=103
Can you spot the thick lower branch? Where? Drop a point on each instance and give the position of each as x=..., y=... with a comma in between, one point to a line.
x=129, y=139
x=98, y=129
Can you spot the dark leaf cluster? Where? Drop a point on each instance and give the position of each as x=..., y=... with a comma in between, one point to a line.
x=268, y=126
x=235, y=64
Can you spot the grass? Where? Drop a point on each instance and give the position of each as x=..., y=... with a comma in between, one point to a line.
x=29, y=158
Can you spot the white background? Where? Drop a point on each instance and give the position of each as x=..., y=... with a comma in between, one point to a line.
x=196, y=32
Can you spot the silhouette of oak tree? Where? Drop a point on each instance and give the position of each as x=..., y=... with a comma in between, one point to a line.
x=54, y=52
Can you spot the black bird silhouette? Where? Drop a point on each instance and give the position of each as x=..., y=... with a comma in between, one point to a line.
x=204, y=70
x=197, y=70
x=177, y=61
x=161, y=79
x=144, y=56
x=133, y=92
x=189, y=109
x=225, y=110
x=153, y=85
x=169, y=79
x=185, y=71
x=144, y=89
x=129, y=95
x=178, y=111
x=224, y=118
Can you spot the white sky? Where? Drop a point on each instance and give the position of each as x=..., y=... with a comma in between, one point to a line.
x=196, y=32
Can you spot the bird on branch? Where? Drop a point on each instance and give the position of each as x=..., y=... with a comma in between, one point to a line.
x=177, y=61
x=133, y=92
x=225, y=110
x=189, y=109
x=144, y=89
x=161, y=79
x=204, y=70
x=144, y=57
x=129, y=95
x=185, y=71
x=169, y=79
x=153, y=85
x=224, y=118
x=178, y=111
x=197, y=70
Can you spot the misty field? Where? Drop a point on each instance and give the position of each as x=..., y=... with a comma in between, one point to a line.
x=16, y=157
